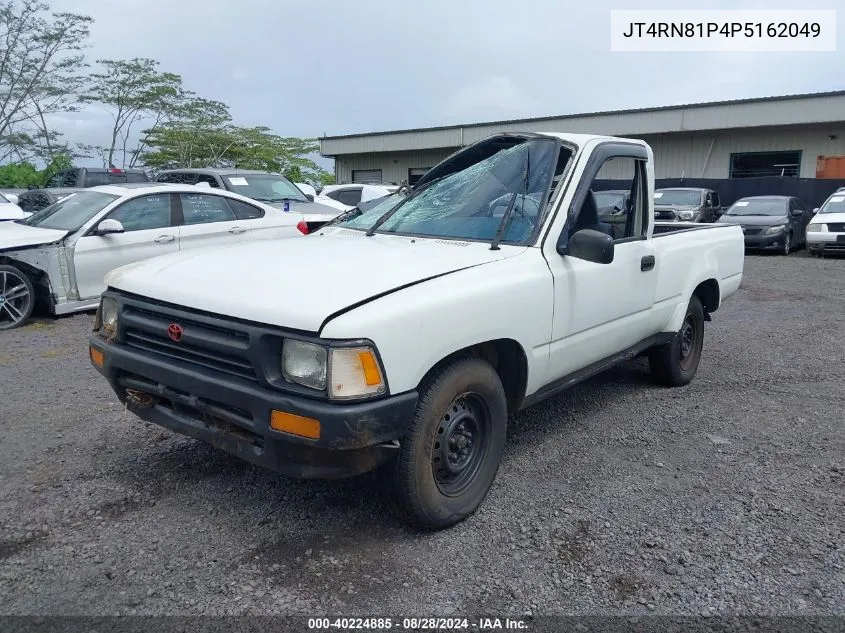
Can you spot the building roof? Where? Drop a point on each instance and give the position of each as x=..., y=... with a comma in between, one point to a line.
x=797, y=109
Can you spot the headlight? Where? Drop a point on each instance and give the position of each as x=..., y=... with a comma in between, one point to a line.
x=775, y=229
x=108, y=315
x=355, y=372
x=304, y=363
x=685, y=215
x=815, y=228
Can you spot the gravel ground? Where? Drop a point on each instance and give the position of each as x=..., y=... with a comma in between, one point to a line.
x=722, y=497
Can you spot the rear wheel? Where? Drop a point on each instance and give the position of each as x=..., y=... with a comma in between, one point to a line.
x=17, y=297
x=676, y=363
x=451, y=454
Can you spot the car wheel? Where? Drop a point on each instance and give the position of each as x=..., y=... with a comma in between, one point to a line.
x=784, y=250
x=451, y=454
x=17, y=297
x=675, y=364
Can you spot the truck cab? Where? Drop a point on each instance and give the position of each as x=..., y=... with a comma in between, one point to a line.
x=493, y=285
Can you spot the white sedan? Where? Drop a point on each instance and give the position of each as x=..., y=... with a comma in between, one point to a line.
x=9, y=209
x=826, y=231
x=60, y=255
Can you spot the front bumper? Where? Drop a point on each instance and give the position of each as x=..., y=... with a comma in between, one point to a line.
x=826, y=242
x=762, y=242
x=233, y=414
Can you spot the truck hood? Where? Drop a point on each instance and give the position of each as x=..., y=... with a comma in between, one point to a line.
x=299, y=282
x=14, y=235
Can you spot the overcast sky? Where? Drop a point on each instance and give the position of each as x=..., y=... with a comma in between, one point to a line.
x=309, y=68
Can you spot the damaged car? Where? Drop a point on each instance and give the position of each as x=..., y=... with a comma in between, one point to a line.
x=56, y=259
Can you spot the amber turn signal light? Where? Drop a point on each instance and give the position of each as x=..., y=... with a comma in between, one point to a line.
x=295, y=424
x=97, y=356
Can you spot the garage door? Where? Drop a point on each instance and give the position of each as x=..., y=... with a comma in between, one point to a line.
x=366, y=176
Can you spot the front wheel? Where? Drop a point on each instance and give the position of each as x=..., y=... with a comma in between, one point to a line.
x=451, y=453
x=787, y=239
x=17, y=297
x=675, y=364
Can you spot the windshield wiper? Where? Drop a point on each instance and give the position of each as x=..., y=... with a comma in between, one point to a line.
x=494, y=245
x=389, y=214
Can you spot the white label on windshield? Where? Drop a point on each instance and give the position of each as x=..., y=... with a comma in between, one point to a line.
x=741, y=204
x=837, y=198
x=658, y=194
x=238, y=182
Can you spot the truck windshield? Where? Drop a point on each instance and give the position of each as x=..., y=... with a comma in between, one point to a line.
x=72, y=212
x=471, y=202
x=264, y=187
x=677, y=197
x=834, y=204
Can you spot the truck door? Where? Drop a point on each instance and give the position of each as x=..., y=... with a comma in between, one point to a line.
x=603, y=309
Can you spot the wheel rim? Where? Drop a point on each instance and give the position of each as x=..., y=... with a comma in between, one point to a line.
x=689, y=341
x=14, y=298
x=460, y=443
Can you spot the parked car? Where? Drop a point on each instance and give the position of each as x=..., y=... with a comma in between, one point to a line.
x=68, y=181
x=309, y=190
x=347, y=197
x=687, y=204
x=10, y=210
x=770, y=222
x=264, y=186
x=408, y=334
x=826, y=231
x=60, y=255
x=614, y=208
x=11, y=194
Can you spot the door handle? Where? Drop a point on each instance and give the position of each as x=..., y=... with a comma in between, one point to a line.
x=163, y=239
x=647, y=262
x=237, y=229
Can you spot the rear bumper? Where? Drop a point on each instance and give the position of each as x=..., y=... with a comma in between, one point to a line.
x=233, y=415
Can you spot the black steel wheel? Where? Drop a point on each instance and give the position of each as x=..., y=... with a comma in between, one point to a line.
x=676, y=363
x=450, y=455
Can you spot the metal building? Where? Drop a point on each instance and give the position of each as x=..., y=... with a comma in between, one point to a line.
x=795, y=135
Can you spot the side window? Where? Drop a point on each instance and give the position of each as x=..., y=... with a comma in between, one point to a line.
x=350, y=197
x=626, y=174
x=211, y=180
x=244, y=211
x=144, y=213
x=716, y=201
x=94, y=178
x=58, y=180
x=198, y=208
x=177, y=178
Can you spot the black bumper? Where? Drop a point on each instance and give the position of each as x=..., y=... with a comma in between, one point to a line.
x=764, y=242
x=233, y=414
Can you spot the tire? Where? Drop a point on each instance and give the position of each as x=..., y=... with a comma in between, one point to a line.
x=784, y=250
x=462, y=407
x=17, y=297
x=676, y=363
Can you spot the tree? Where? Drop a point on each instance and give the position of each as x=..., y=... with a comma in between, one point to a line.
x=22, y=175
x=40, y=74
x=133, y=90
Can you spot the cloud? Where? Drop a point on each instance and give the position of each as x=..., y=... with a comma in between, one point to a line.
x=496, y=97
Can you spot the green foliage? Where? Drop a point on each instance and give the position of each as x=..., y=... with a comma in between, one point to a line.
x=133, y=90
x=22, y=175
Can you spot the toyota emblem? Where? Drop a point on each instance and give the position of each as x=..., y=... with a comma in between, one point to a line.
x=175, y=331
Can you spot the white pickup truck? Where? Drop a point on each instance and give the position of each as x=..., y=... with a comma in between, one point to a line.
x=405, y=335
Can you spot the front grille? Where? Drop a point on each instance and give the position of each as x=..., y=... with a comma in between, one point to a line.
x=222, y=348
x=750, y=231
x=836, y=227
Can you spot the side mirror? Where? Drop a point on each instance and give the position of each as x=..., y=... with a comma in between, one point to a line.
x=816, y=210
x=309, y=197
x=592, y=246
x=108, y=227
x=798, y=212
